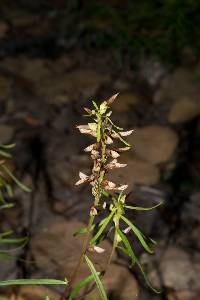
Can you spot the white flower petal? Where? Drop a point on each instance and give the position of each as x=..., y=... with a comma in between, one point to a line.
x=127, y=229
x=99, y=249
x=126, y=133
x=93, y=211
x=115, y=164
x=114, y=154
x=111, y=184
x=109, y=140
x=89, y=148
x=109, y=114
x=118, y=165
x=123, y=149
x=122, y=187
x=84, y=130
x=82, y=126
x=79, y=182
x=93, y=126
x=83, y=176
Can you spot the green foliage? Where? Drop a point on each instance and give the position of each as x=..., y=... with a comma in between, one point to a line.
x=134, y=28
x=80, y=285
x=6, y=192
x=6, y=179
x=112, y=211
x=32, y=282
x=96, y=278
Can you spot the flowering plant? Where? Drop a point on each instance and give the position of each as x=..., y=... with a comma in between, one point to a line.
x=105, y=153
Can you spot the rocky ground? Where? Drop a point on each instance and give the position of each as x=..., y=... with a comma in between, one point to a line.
x=41, y=100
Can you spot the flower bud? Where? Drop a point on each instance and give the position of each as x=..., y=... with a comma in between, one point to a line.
x=93, y=211
x=112, y=99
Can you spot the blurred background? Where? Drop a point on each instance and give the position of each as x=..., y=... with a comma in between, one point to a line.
x=57, y=56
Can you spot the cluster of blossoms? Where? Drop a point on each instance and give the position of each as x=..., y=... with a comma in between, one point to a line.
x=103, y=154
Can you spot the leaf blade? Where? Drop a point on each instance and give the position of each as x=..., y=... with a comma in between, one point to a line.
x=32, y=282
x=143, y=208
x=103, y=226
x=80, y=285
x=96, y=278
x=139, y=235
x=128, y=246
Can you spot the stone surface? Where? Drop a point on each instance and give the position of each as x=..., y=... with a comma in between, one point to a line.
x=70, y=86
x=119, y=283
x=67, y=85
x=125, y=101
x=37, y=293
x=178, y=270
x=57, y=251
x=184, y=110
x=137, y=171
x=191, y=209
x=184, y=295
x=178, y=85
x=154, y=143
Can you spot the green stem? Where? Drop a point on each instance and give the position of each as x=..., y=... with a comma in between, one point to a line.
x=115, y=242
x=97, y=199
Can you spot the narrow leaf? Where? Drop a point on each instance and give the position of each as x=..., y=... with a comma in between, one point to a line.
x=22, y=186
x=80, y=285
x=7, y=233
x=111, y=122
x=145, y=276
x=32, y=282
x=9, y=146
x=9, y=190
x=13, y=241
x=140, y=267
x=7, y=205
x=139, y=234
x=5, y=154
x=143, y=208
x=127, y=245
x=83, y=230
x=121, y=139
x=103, y=225
x=96, y=278
x=95, y=105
